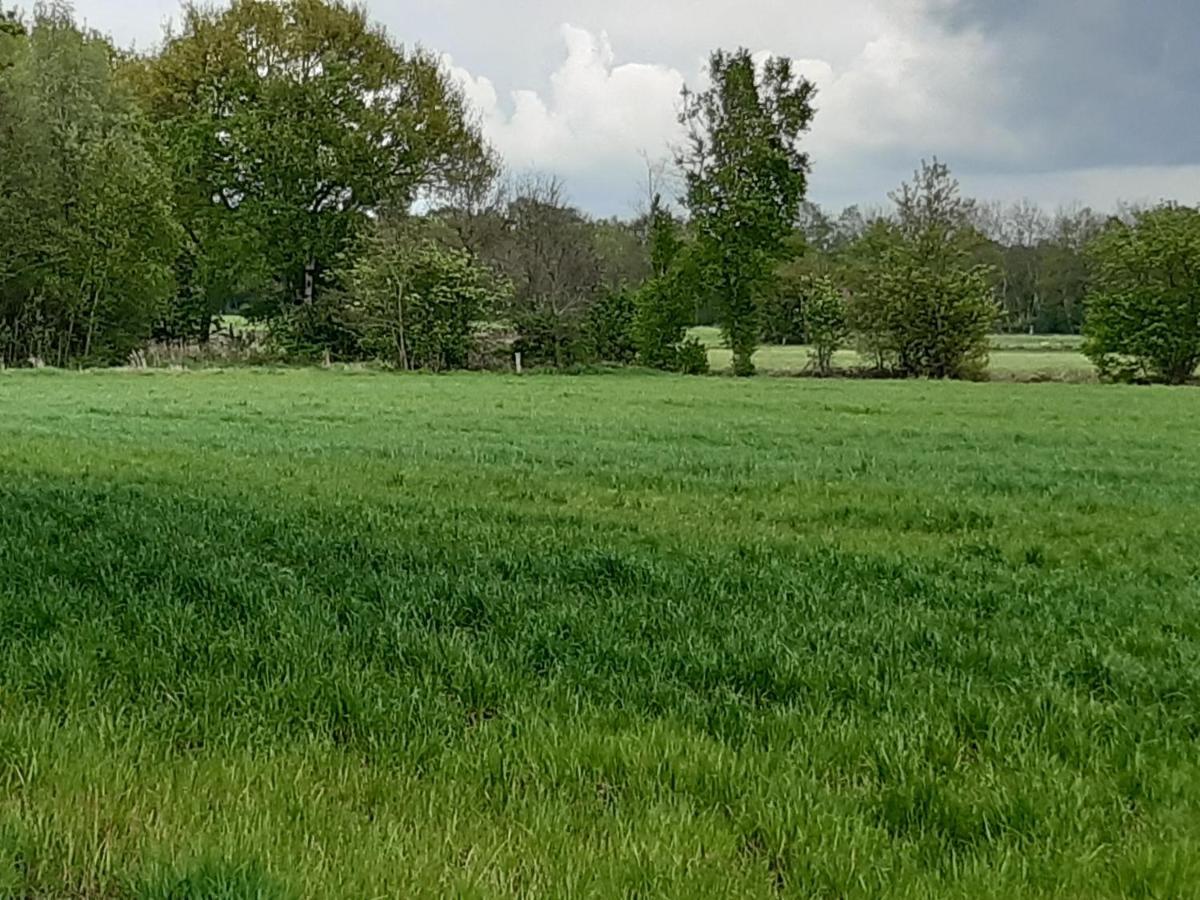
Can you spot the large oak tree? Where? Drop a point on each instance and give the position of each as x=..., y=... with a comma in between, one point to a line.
x=287, y=125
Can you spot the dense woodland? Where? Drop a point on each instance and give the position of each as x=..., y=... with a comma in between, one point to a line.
x=292, y=163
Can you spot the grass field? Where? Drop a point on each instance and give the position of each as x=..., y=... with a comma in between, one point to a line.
x=317, y=634
x=1013, y=357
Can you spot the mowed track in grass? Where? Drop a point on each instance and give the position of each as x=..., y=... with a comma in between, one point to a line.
x=1014, y=357
x=314, y=634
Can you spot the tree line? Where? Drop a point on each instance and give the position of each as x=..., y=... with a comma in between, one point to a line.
x=292, y=163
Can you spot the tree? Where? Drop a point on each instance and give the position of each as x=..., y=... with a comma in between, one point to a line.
x=608, y=327
x=11, y=25
x=547, y=250
x=1041, y=270
x=287, y=126
x=1143, y=312
x=923, y=306
x=415, y=302
x=87, y=233
x=937, y=319
x=824, y=320
x=781, y=305
x=745, y=177
x=861, y=263
x=621, y=251
x=663, y=303
x=781, y=311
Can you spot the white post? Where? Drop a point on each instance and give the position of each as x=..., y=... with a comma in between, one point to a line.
x=517, y=357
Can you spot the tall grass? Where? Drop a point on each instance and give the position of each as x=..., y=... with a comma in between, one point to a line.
x=312, y=634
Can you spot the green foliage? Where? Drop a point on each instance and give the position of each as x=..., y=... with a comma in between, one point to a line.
x=608, y=327
x=936, y=321
x=692, y=358
x=285, y=124
x=824, y=311
x=479, y=636
x=781, y=310
x=621, y=252
x=548, y=251
x=312, y=332
x=1143, y=314
x=87, y=233
x=548, y=337
x=11, y=27
x=746, y=177
x=664, y=302
x=662, y=319
x=662, y=238
x=920, y=305
x=1040, y=264
x=415, y=302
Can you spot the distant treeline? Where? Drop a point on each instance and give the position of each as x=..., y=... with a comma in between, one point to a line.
x=291, y=163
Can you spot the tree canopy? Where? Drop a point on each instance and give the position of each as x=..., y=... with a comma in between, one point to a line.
x=285, y=125
x=87, y=234
x=746, y=176
x=1143, y=316
x=291, y=161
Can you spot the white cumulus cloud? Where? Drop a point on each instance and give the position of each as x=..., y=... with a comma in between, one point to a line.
x=911, y=90
x=596, y=116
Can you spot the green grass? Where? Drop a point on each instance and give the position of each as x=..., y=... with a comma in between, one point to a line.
x=1014, y=357
x=315, y=634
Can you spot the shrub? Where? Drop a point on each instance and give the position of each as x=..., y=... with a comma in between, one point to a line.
x=824, y=320
x=921, y=306
x=692, y=358
x=1143, y=312
x=936, y=319
x=546, y=337
x=607, y=331
x=781, y=312
x=415, y=303
x=661, y=322
x=307, y=332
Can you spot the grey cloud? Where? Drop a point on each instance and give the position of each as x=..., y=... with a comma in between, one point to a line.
x=1057, y=88
x=1095, y=82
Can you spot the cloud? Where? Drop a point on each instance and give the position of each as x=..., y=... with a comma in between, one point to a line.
x=1094, y=83
x=595, y=118
x=910, y=91
x=1103, y=187
x=1098, y=93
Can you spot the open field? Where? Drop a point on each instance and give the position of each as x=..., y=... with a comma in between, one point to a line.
x=316, y=634
x=1014, y=357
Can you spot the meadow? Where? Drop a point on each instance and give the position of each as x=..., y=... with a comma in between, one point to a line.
x=1013, y=357
x=276, y=634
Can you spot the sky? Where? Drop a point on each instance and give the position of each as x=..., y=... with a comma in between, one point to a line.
x=1057, y=101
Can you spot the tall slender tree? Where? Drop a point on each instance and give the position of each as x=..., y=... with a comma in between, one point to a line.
x=746, y=177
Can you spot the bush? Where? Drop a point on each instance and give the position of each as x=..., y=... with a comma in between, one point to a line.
x=936, y=319
x=308, y=332
x=1143, y=312
x=920, y=305
x=824, y=320
x=663, y=315
x=781, y=312
x=692, y=358
x=607, y=331
x=546, y=337
x=415, y=303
